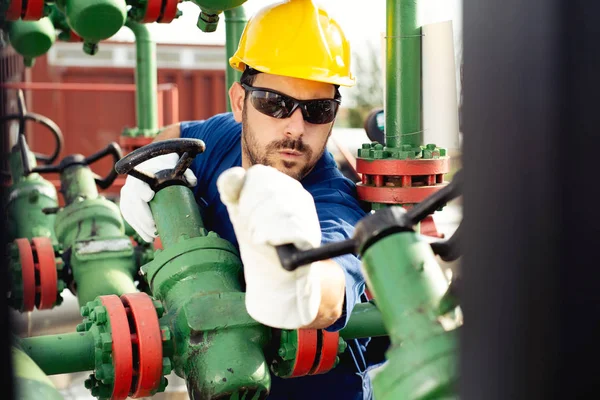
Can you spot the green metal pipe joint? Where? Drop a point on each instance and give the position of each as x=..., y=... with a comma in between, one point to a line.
x=102, y=257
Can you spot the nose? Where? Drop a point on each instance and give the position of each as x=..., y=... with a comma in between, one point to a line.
x=296, y=126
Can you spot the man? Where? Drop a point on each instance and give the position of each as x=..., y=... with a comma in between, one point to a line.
x=265, y=179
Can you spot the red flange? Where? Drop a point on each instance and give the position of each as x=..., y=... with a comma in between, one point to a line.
x=27, y=273
x=305, y=352
x=146, y=337
x=34, y=10
x=128, y=144
x=403, y=167
x=170, y=12
x=152, y=11
x=46, y=266
x=121, y=346
x=15, y=8
x=328, y=353
x=395, y=195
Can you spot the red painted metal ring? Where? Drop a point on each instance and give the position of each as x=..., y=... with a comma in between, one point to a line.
x=34, y=10
x=27, y=273
x=148, y=338
x=121, y=346
x=46, y=266
x=403, y=167
x=329, y=350
x=15, y=8
x=152, y=10
x=170, y=11
x=396, y=195
x=306, y=352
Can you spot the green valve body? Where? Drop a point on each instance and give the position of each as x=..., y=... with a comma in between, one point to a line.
x=218, y=347
x=408, y=284
x=25, y=200
x=31, y=39
x=30, y=382
x=101, y=255
x=94, y=20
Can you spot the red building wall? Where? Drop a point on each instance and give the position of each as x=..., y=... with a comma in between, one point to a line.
x=91, y=120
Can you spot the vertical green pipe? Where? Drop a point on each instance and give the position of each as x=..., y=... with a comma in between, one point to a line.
x=146, y=104
x=235, y=22
x=176, y=215
x=403, y=75
x=30, y=382
x=62, y=354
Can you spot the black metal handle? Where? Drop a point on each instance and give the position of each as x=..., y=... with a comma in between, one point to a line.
x=291, y=257
x=22, y=115
x=114, y=150
x=374, y=227
x=450, y=249
x=186, y=148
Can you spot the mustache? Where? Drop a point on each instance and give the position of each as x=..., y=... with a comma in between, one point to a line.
x=288, y=144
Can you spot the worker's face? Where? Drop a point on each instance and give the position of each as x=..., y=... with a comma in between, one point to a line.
x=292, y=145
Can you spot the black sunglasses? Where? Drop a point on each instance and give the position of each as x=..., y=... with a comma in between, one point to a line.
x=279, y=105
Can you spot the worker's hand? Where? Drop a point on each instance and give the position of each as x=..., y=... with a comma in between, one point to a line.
x=268, y=208
x=136, y=194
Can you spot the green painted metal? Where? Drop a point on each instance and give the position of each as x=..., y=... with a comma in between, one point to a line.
x=31, y=39
x=102, y=258
x=217, y=347
x=29, y=380
x=404, y=277
x=365, y=321
x=94, y=20
x=403, y=75
x=210, y=10
x=146, y=103
x=235, y=22
x=167, y=206
x=25, y=200
x=62, y=354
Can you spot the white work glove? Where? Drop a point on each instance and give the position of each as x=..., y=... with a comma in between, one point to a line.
x=268, y=208
x=136, y=194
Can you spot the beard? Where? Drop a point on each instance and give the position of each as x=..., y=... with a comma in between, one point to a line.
x=269, y=154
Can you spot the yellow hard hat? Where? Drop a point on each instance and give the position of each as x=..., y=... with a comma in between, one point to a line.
x=298, y=39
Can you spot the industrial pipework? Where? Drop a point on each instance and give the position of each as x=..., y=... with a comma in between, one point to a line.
x=100, y=258
x=416, y=302
x=402, y=171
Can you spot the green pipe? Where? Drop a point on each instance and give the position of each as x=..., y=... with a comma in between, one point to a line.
x=62, y=354
x=77, y=183
x=235, y=22
x=30, y=382
x=102, y=258
x=403, y=75
x=146, y=103
x=408, y=284
x=365, y=321
x=176, y=215
x=26, y=198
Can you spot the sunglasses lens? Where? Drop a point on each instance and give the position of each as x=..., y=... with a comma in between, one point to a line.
x=320, y=111
x=271, y=104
